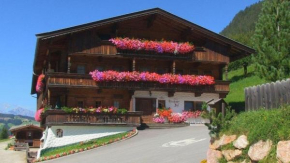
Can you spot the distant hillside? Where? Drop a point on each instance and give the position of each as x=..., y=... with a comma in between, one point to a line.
x=16, y=110
x=242, y=26
x=9, y=120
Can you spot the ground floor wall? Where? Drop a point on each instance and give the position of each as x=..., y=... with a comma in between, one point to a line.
x=177, y=102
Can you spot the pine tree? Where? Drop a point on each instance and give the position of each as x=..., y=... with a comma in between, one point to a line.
x=4, y=133
x=272, y=40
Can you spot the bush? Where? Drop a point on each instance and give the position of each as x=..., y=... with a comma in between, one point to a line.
x=261, y=125
x=4, y=133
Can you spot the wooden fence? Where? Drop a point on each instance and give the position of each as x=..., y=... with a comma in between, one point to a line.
x=269, y=96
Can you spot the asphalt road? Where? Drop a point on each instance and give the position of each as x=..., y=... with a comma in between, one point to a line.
x=176, y=145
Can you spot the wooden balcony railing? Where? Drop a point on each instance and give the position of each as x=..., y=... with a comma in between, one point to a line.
x=83, y=81
x=59, y=117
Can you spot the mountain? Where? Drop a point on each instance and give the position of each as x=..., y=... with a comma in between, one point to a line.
x=9, y=120
x=16, y=110
x=241, y=29
x=21, y=111
x=243, y=24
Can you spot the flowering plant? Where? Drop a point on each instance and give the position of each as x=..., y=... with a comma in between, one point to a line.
x=93, y=110
x=40, y=83
x=163, y=112
x=177, y=118
x=158, y=120
x=190, y=114
x=152, y=77
x=157, y=46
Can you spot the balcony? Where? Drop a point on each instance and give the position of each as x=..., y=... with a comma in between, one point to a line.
x=85, y=81
x=59, y=117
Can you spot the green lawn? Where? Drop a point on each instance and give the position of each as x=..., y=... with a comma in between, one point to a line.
x=3, y=140
x=236, y=97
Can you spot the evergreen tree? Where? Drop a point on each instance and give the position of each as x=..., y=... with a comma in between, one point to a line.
x=272, y=40
x=4, y=133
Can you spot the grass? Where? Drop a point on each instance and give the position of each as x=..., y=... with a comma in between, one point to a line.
x=262, y=125
x=77, y=146
x=3, y=140
x=236, y=97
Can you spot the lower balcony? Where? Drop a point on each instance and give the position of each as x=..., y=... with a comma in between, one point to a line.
x=85, y=81
x=59, y=117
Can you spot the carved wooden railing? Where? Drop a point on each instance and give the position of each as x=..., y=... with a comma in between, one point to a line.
x=59, y=117
x=83, y=81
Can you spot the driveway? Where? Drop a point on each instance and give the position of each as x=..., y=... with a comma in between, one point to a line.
x=182, y=145
x=8, y=156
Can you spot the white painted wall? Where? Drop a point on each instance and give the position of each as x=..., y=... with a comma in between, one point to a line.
x=75, y=134
x=176, y=103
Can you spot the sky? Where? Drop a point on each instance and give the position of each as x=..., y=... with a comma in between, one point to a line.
x=21, y=20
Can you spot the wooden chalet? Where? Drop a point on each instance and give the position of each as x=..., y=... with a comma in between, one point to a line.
x=67, y=56
x=30, y=134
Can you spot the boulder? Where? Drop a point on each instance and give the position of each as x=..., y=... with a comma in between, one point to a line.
x=283, y=151
x=223, y=141
x=259, y=150
x=231, y=154
x=213, y=156
x=242, y=142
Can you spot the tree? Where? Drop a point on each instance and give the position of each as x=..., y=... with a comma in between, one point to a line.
x=271, y=40
x=4, y=133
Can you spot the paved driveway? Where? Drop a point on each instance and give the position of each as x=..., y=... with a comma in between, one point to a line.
x=177, y=145
x=8, y=156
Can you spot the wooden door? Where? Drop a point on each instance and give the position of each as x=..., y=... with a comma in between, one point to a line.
x=147, y=105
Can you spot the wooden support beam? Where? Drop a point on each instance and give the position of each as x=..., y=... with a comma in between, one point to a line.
x=68, y=64
x=173, y=67
x=197, y=94
x=226, y=72
x=171, y=93
x=134, y=64
x=48, y=97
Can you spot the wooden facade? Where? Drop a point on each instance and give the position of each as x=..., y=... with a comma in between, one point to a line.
x=67, y=56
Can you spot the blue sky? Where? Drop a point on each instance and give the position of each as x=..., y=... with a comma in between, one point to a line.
x=21, y=20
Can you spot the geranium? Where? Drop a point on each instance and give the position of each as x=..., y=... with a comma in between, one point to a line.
x=177, y=118
x=151, y=77
x=159, y=47
x=158, y=120
x=40, y=83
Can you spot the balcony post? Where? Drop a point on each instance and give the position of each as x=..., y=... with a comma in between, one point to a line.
x=68, y=65
x=133, y=64
x=226, y=71
x=173, y=67
x=48, y=97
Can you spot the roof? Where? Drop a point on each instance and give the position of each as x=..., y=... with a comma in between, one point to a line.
x=21, y=127
x=213, y=102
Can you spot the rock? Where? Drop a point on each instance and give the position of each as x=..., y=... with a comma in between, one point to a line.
x=283, y=151
x=213, y=156
x=223, y=141
x=242, y=142
x=231, y=154
x=259, y=150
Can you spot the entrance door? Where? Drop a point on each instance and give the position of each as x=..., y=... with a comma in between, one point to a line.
x=147, y=105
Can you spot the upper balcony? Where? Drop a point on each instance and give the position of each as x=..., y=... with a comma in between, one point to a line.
x=66, y=80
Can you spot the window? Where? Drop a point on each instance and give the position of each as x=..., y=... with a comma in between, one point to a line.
x=198, y=106
x=81, y=69
x=207, y=72
x=98, y=103
x=80, y=104
x=178, y=71
x=118, y=68
x=116, y=104
x=59, y=133
x=193, y=72
x=144, y=69
x=161, y=71
x=100, y=68
x=188, y=105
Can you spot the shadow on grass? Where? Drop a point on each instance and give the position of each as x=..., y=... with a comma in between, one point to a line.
x=237, y=106
x=240, y=77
